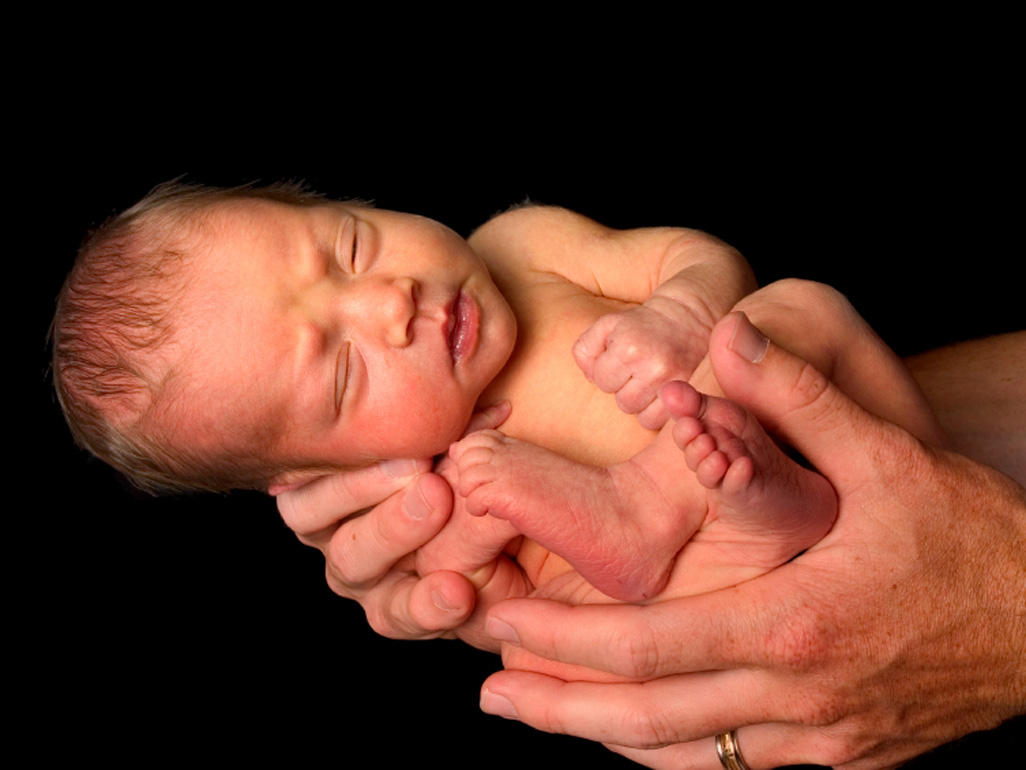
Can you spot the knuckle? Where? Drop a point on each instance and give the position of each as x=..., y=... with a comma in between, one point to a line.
x=645, y=727
x=379, y=619
x=337, y=585
x=628, y=403
x=820, y=709
x=843, y=748
x=810, y=390
x=637, y=652
x=309, y=539
x=822, y=304
x=800, y=643
x=341, y=488
x=660, y=368
x=803, y=292
x=341, y=566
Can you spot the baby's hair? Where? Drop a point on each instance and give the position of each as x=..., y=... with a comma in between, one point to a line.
x=113, y=328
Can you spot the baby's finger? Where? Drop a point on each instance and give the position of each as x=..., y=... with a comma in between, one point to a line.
x=654, y=416
x=610, y=374
x=636, y=395
x=366, y=548
x=489, y=418
x=592, y=344
x=326, y=501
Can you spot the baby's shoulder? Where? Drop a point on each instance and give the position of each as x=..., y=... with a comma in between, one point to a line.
x=535, y=235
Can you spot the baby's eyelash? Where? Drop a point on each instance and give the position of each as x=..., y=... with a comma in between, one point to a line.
x=356, y=236
x=341, y=375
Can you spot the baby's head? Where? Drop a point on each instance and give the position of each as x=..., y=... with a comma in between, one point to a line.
x=258, y=337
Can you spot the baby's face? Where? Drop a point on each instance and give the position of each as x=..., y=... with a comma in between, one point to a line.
x=337, y=335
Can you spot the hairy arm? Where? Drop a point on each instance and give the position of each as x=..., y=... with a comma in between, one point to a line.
x=978, y=391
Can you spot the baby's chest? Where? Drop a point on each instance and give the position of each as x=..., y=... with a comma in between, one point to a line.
x=554, y=405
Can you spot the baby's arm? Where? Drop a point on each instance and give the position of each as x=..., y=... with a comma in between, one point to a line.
x=633, y=352
x=678, y=283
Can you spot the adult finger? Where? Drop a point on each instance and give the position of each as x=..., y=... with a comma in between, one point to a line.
x=761, y=745
x=791, y=398
x=743, y=625
x=649, y=714
x=325, y=501
x=365, y=548
x=404, y=606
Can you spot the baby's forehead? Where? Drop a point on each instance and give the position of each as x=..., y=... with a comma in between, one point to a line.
x=229, y=224
x=230, y=230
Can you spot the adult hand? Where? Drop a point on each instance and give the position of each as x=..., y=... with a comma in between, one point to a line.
x=370, y=551
x=902, y=630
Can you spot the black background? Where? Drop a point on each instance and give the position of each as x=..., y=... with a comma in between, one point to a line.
x=198, y=626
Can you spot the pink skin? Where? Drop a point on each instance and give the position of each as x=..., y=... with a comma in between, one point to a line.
x=747, y=504
x=329, y=337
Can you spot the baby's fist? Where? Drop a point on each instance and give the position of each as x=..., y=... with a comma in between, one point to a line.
x=635, y=352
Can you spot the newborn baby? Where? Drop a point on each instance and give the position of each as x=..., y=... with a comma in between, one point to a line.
x=260, y=338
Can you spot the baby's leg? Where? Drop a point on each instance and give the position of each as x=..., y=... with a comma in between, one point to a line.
x=746, y=503
x=763, y=508
x=584, y=513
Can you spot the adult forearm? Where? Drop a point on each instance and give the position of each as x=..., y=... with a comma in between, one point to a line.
x=978, y=391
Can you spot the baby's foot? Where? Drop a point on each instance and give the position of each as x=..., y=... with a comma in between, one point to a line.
x=614, y=525
x=763, y=508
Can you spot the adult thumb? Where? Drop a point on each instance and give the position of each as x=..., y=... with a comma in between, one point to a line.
x=793, y=399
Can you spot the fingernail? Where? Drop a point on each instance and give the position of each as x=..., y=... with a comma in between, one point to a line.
x=398, y=469
x=501, y=631
x=500, y=706
x=748, y=342
x=439, y=600
x=414, y=504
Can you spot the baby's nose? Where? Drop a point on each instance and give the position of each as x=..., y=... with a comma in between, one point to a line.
x=398, y=307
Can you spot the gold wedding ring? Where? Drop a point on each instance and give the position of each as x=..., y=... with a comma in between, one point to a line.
x=729, y=752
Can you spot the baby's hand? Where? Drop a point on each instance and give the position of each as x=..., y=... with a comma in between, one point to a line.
x=635, y=352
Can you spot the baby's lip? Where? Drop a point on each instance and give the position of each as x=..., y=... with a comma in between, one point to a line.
x=462, y=326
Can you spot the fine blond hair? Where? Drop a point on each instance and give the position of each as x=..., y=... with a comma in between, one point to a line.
x=114, y=325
